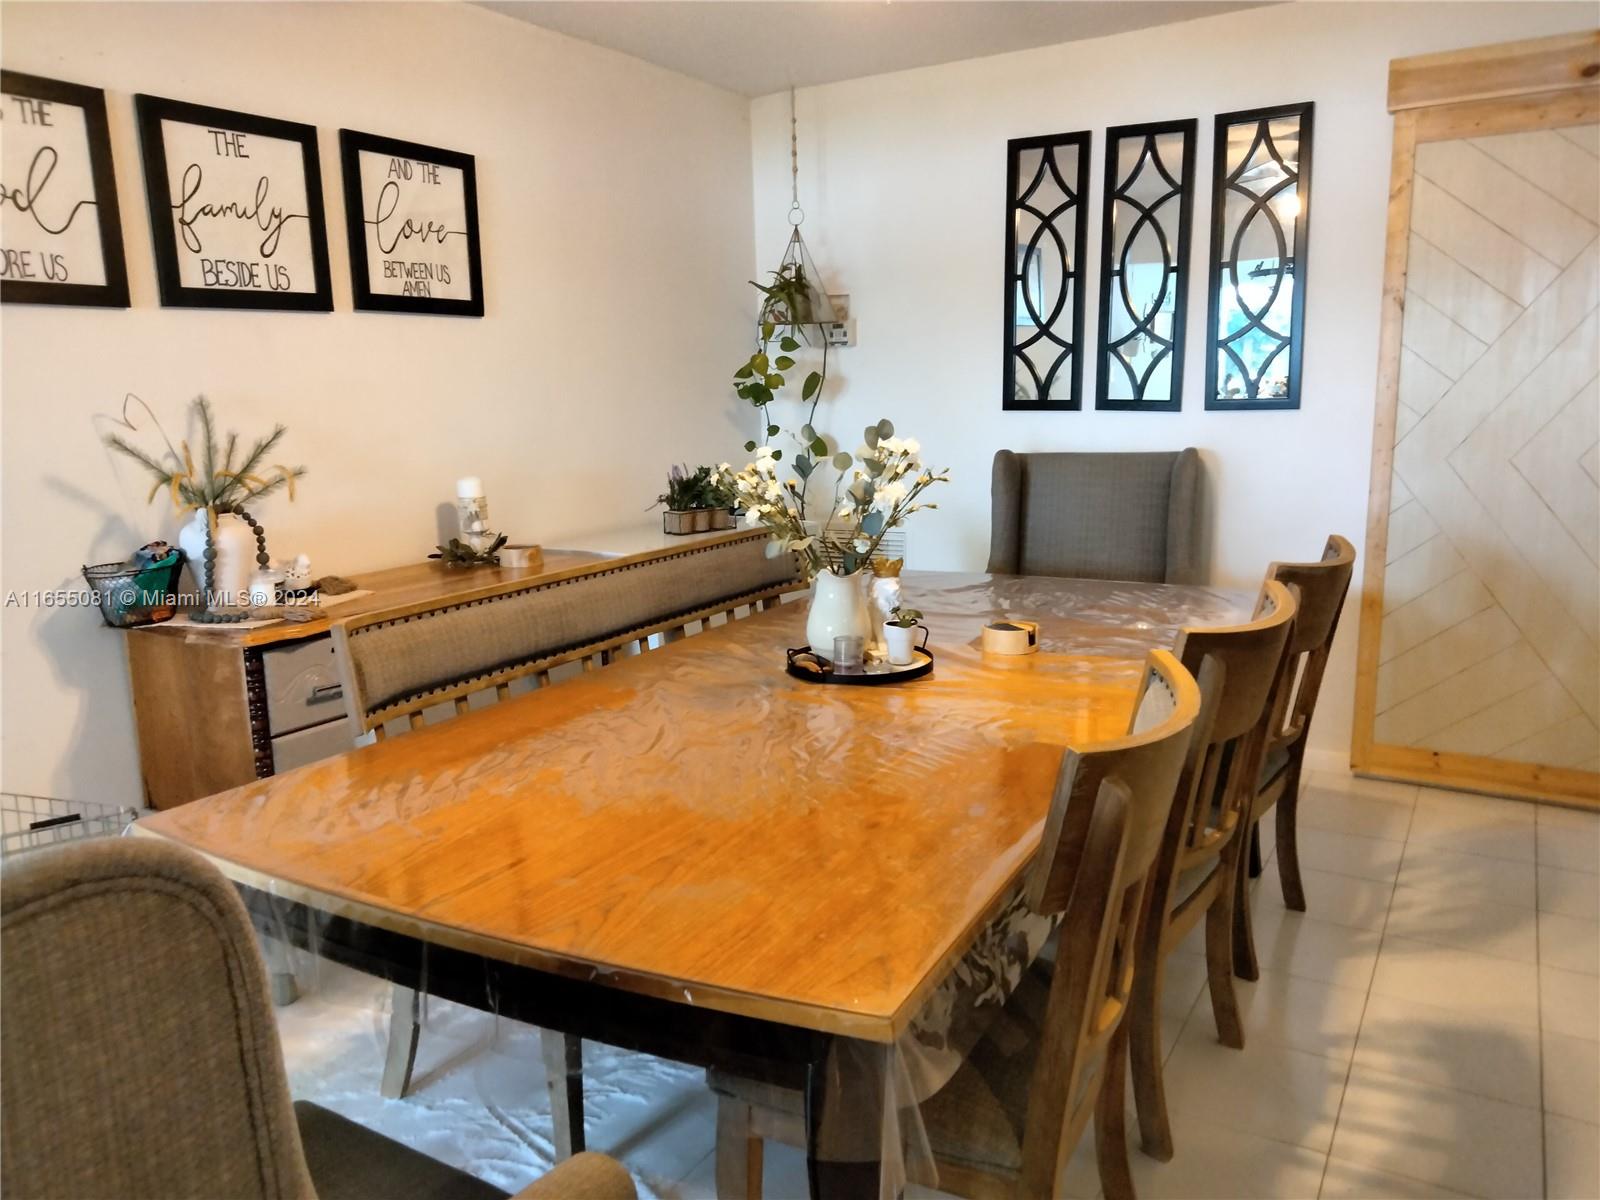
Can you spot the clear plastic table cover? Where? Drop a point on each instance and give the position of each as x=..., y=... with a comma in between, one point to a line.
x=416, y=828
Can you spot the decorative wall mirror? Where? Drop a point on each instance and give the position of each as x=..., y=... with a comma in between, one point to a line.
x=1260, y=218
x=1047, y=184
x=1144, y=265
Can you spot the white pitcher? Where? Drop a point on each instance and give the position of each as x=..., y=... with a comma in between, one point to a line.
x=838, y=609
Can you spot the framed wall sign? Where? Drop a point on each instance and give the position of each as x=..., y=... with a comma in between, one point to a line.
x=412, y=216
x=235, y=208
x=1047, y=190
x=1144, y=265
x=1260, y=224
x=60, y=230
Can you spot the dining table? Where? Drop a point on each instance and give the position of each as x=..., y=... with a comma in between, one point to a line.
x=694, y=854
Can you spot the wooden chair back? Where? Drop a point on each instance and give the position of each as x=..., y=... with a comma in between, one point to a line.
x=399, y=665
x=1238, y=668
x=1100, y=842
x=1320, y=589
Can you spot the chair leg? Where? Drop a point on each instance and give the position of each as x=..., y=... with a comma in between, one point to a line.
x=1143, y=1023
x=563, y=1075
x=1110, y=1120
x=1245, y=965
x=1219, y=947
x=1294, y=893
x=739, y=1152
x=1255, y=851
x=405, y=1027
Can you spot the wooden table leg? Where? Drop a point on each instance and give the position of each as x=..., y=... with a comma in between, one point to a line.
x=563, y=1075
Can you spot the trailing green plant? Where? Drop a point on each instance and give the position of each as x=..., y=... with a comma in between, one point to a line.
x=215, y=482
x=786, y=309
x=904, y=618
x=456, y=553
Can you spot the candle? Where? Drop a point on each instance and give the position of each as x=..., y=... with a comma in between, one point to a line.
x=469, y=487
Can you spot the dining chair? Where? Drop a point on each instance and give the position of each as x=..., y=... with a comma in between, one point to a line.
x=146, y=1066
x=1320, y=589
x=1200, y=865
x=436, y=657
x=1096, y=516
x=1056, y=1053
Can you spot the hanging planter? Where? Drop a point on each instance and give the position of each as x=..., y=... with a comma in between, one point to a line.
x=794, y=298
x=793, y=303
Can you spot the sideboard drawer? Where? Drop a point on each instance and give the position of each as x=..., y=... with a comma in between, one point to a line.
x=320, y=741
x=302, y=685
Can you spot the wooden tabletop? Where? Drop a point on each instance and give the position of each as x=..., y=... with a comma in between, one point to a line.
x=696, y=825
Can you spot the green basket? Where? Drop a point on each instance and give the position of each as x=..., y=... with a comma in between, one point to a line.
x=132, y=596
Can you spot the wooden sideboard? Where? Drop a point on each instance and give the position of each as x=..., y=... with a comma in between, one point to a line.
x=216, y=707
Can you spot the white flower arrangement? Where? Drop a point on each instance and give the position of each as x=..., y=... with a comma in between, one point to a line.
x=878, y=488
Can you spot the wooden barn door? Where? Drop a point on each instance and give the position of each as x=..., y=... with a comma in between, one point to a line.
x=1480, y=624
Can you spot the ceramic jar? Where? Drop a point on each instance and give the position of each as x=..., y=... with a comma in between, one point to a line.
x=229, y=579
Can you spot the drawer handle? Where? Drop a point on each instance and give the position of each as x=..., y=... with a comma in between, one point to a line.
x=325, y=693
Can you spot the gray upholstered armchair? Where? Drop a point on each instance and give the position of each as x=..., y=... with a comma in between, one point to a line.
x=139, y=1058
x=1097, y=516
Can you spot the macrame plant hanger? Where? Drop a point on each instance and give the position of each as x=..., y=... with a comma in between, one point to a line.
x=817, y=309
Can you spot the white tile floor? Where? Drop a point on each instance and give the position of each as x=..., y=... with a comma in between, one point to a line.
x=1429, y=1028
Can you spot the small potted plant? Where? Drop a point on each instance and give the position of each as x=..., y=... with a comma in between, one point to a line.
x=719, y=498
x=898, y=632
x=682, y=498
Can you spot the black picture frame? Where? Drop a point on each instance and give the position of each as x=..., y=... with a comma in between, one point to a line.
x=149, y=112
x=1015, y=273
x=113, y=293
x=1221, y=180
x=1178, y=272
x=351, y=145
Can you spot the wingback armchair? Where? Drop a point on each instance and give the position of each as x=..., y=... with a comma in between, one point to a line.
x=139, y=1058
x=1097, y=516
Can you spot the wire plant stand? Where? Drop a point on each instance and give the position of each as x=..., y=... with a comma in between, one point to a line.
x=28, y=822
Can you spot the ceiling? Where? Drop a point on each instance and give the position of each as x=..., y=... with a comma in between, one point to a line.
x=759, y=46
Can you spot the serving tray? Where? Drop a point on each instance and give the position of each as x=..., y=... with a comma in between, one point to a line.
x=813, y=668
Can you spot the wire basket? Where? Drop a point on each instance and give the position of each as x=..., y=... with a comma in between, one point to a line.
x=28, y=822
x=130, y=596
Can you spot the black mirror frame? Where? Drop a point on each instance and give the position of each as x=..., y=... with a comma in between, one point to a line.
x=1079, y=193
x=1220, y=181
x=1112, y=193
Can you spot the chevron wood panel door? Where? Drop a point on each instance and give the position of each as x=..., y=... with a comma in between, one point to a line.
x=1481, y=647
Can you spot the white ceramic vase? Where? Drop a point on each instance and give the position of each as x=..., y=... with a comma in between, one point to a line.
x=838, y=609
x=229, y=581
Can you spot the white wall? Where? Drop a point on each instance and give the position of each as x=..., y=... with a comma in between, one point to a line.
x=903, y=181
x=615, y=215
